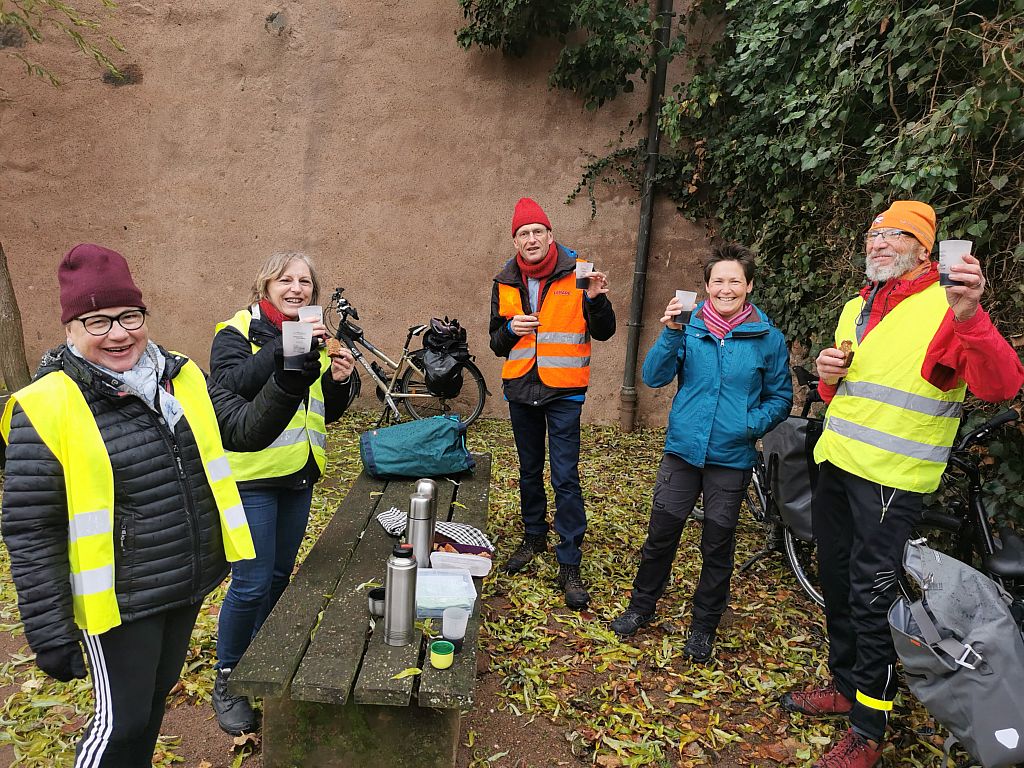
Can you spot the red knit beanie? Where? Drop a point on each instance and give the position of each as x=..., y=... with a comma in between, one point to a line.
x=528, y=212
x=92, y=277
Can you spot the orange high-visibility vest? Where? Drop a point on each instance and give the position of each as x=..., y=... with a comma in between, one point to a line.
x=561, y=346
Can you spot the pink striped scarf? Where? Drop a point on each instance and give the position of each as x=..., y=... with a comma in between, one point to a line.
x=718, y=325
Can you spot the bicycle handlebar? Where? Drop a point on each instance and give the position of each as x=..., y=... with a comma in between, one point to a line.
x=1006, y=417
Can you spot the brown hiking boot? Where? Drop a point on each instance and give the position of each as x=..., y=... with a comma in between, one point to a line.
x=525, y=552
x=817, y=702
x=852, y=751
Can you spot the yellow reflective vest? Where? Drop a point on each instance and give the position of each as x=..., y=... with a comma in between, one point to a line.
x=307, y=430
x=887, y=423
x=561, y=346
x=62, y=419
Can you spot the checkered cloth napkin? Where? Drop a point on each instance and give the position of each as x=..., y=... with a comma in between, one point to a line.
x=393, y=521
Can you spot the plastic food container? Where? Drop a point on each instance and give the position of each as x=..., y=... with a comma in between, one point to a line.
x=476, y=565
x=437, y=589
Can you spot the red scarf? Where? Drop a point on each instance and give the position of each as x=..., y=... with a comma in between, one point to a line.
x=542, y=268
x=272, y=314
x=540, y=271
x=718, y=325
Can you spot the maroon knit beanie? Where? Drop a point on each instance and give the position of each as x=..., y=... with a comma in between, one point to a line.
x=92, y=277
x=528, y=212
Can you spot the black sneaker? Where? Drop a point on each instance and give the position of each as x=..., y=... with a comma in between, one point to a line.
x=570, y=582
x=630, y=621
x=235, y=714
x=530, y=546
x=699, y=645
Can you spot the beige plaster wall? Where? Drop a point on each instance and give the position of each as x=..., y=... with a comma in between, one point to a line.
x=360, y=132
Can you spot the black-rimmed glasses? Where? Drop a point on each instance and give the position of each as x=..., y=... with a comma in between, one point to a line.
x=889, y=235
x=100, y=325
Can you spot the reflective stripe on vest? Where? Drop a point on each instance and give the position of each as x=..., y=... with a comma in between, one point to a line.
x=561, y=347
x=886, y=423
x=306, y=432
x=58, y=410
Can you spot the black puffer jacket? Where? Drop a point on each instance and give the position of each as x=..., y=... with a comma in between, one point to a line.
x=167, y=542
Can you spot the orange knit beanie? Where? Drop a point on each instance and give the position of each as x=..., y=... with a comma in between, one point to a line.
x=911, y=216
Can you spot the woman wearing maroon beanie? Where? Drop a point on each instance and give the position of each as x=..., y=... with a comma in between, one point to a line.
x=120, y=511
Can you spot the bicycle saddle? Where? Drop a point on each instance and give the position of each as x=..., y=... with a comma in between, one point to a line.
x=1008, y=560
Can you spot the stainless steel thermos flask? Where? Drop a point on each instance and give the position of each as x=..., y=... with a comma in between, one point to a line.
x=419, y=528
x=400, y=596
x=428, y=487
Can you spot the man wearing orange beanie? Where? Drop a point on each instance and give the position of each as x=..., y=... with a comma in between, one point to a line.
x=906, y=349
x=542, y=322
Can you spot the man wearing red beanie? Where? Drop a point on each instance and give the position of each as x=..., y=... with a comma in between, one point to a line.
x=542, y=323
x=120, y=511
x=906, y=349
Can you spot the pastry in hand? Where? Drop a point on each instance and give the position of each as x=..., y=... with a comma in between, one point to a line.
x=846, y=347
x=333, y=348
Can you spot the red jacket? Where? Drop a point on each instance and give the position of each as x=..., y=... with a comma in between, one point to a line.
x=971, y=351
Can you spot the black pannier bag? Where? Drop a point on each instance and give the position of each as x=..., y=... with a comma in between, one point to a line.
x=445, y=352
x=792, y=474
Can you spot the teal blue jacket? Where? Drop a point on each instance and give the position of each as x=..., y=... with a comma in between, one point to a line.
x=731, y=390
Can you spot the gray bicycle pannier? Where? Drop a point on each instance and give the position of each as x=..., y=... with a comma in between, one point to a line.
x=788, y=455
x=963, y=655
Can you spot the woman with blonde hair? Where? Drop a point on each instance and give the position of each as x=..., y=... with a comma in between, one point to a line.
x=276, y=484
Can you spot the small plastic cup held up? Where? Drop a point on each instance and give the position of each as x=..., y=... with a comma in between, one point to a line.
x=453, y=626
x=689, y=300
x=583, y=270
x=312, y=312
x=951, y=252
x=442, y=654
x=296, y=338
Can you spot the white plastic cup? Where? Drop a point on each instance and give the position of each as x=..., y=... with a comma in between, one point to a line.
x=453, y=626
x=689, y=300
x=951, y=252
x=296, y=340
x=312, y=312
x=583, y=270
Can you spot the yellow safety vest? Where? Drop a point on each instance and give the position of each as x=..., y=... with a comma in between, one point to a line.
x=307, y=430
x=561, y=346
x=60, y=415
x=886, y=423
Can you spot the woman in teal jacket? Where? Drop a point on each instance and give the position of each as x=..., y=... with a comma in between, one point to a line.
x=732, y=369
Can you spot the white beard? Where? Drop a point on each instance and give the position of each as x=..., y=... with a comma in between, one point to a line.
x=901, y=265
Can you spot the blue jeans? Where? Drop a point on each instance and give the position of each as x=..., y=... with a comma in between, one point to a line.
x=277, y=521
x=560, y=420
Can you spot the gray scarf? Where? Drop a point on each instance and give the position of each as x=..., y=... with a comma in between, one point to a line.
x=143, y=381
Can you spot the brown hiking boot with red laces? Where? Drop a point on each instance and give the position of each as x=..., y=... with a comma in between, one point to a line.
x=852, y=751
x=817, y=702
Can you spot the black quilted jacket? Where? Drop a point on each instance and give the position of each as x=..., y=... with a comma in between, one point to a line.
x=167, y=541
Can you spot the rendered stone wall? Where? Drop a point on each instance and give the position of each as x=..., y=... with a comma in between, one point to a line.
x=358, y=132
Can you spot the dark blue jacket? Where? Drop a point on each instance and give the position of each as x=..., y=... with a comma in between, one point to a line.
x=731, y=390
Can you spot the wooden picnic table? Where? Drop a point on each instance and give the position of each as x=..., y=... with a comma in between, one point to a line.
x=326, y=678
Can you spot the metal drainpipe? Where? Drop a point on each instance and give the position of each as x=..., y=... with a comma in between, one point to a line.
x=627, y=396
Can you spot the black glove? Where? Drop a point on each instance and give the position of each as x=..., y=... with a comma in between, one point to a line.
x=297, y=382
x=64, y=663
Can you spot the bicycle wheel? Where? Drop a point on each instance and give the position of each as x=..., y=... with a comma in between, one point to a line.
x=467, y=405
x=802, y=559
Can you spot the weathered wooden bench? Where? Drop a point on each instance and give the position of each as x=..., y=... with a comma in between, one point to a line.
x=330, y=687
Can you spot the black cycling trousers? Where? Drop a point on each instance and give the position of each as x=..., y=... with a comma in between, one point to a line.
x=133, y=666
x=861, y=529
x=676, y=490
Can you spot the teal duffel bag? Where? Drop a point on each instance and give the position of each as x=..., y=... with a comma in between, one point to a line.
x=422, y=448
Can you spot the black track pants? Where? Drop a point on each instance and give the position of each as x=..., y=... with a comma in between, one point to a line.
x=133, y=666
x=675, y=492
x=861, y=529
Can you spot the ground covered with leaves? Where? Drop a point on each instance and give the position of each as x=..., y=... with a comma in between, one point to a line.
x=555, y=687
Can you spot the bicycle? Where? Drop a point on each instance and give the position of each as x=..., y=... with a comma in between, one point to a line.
x=962, y=522
x=782, y=502
x=404, y=380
